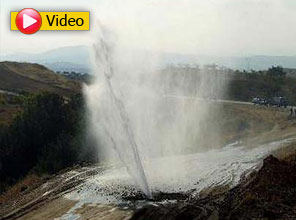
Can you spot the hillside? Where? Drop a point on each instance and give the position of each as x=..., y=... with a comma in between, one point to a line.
x=76, y=58
x=34, y=78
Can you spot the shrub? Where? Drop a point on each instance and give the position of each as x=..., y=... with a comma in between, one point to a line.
x=47, y=136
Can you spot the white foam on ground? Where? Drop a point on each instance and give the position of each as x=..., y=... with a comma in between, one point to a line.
x=195, y=172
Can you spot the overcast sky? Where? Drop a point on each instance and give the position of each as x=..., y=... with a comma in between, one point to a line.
x=212, y=27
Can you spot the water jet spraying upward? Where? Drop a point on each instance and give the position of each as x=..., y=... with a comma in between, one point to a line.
x=133, y=163
x=138, y=116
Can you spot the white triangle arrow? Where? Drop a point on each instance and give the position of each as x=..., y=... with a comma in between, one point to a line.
x=28, y=21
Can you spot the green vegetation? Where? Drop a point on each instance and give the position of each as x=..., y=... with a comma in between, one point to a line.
x=273, y=82
x=42, y=122
x=47, y=136
x=10, y=106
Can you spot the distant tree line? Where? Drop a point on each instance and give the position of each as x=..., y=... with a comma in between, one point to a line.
x=82, y=77
x=242, y=85
x=245, y=85
x=49, y=135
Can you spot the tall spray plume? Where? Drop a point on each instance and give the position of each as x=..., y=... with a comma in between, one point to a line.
x=146, y=115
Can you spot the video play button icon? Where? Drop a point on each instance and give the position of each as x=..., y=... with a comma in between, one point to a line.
x=28, y=21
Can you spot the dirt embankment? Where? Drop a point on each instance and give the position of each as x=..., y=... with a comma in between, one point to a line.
x=255, y=125
x=267, y=194
x=249, y=124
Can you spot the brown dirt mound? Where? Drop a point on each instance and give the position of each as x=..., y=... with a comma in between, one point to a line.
x=268, y=194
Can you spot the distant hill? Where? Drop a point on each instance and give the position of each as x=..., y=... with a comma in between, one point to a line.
x=78, y=59
x=33, y=78
x=67, y=67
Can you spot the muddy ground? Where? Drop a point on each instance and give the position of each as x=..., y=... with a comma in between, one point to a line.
x=267, y=194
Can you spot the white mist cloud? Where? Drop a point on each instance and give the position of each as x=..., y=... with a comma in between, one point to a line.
x=216, y=27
